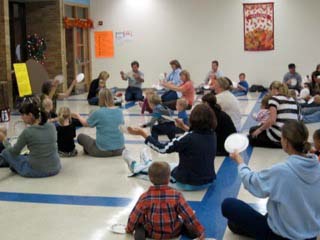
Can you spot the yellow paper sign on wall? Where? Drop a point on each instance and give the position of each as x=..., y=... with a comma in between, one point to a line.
x=23, y=80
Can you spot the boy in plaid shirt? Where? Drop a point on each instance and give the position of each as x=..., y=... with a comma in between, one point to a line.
x=162, y=212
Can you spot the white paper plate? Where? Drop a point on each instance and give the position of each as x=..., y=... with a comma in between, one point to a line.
x=311, y=100
x=236, y=142
x=168, y=118
x=60, y=78
x=157, y=87
x=123, y=129
x=162, y=77
x=207, y=87
x=234, y=84
x=118, y=228
x=293, y=81
x=80, y=77
x=13, y=141
x=305, y=92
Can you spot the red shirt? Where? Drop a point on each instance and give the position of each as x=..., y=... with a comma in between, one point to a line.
x=188, y=91
x=163, y=211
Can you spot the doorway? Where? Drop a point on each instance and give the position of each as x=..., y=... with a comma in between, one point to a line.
x=78, y=47
x=17, y=20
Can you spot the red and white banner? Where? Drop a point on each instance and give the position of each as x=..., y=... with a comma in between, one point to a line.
x=258, y=26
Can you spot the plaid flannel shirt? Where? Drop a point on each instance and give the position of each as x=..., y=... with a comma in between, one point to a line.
x=163, y=211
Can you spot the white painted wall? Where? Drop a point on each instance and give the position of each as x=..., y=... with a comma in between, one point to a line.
x=198, y=31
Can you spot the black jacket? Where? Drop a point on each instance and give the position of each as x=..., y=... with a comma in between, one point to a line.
x=224, y=128
x=93, y=88
x=197, y=151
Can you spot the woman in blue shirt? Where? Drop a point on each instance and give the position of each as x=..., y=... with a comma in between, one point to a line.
x=292, y=189
x=107, y=119
x=173, y=77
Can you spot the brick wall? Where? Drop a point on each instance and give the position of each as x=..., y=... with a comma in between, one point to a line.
x=45, y=18
x=5, y=57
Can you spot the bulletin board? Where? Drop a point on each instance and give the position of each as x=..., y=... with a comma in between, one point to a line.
x=104, y=44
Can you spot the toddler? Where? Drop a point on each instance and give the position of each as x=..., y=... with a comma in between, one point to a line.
x=66, y=133
x=243, y=86
x=263, y=115
x=162, y=212
x=145, y=104
x=164, y=126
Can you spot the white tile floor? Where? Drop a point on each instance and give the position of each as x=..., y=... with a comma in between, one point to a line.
x=88, y=176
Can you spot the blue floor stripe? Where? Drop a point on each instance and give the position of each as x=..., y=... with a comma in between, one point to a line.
x=64, y=199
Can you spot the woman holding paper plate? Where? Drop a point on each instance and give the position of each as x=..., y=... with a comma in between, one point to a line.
x=49, y=90
x=292, y=189
x=40, y=138
x=186, y=88
x=174, y=78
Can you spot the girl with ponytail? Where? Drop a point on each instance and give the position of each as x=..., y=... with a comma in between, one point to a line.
x=40, y=138
x=292, y=188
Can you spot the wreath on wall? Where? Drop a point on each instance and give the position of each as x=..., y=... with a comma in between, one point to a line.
x=36, y=47
x=77, y=23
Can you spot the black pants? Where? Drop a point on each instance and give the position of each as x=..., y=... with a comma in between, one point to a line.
x=262, y=140
x=244, y=220
x=168, y=129
x=141, y=234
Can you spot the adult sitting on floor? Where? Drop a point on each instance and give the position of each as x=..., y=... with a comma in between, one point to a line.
x=40, y=138
x=225, y=126
x=186, y=88
x=174, y=78
x=292, y=189
x=95, y=86
x=228, y=102
x=49, y=90
x=196, y=148
x=282, y=108
x=135, y=79
x=107, y=119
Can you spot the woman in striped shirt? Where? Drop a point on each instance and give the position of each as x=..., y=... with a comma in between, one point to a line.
x=282, y=108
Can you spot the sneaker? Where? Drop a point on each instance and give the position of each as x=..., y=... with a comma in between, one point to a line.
x=145, y=156
x=129, y=160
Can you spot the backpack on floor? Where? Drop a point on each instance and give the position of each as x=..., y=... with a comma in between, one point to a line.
x=257, y=88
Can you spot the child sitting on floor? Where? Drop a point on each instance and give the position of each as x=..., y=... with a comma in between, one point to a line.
x=3, y=134
x=243, y=86
x=263, y=115
x=182, y=105
x=66, y=133
x=145, y=104
x=47, y=106
x=164, y=126
x=316, y=142
x=162, y=212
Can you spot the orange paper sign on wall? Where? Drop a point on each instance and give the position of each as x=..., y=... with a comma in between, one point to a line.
x=104, y=44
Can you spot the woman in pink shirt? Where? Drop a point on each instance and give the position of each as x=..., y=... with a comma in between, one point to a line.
x=186, y=88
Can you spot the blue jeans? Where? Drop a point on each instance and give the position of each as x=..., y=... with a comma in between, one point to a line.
x=244, y=220
x=133, y=94
x=21, y=165
x=169, y=96
x=168, y=129
x=239, y=93
x=93, y=101
x=311, y=114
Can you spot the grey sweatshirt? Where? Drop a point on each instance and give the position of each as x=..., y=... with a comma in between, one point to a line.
x=42, y=144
